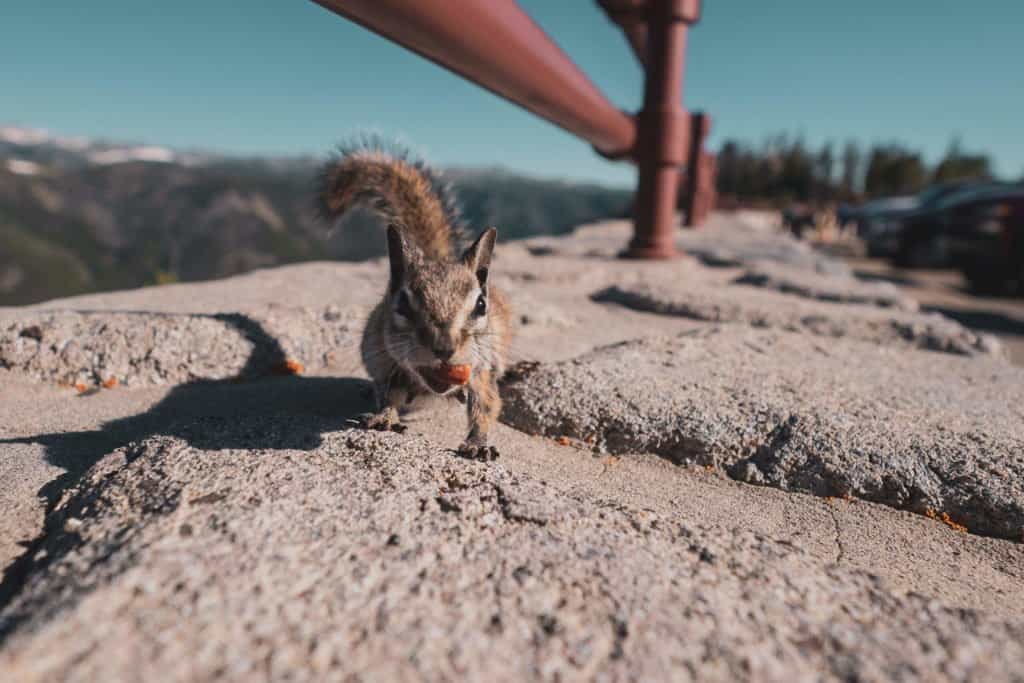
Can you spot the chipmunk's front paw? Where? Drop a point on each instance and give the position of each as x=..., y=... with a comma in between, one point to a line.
x=477, y=451
x=384, y=421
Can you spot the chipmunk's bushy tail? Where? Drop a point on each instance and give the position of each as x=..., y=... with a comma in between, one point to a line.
x=402, y=190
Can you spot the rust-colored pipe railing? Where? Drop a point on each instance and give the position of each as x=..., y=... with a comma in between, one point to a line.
x=664, y=130
x=497, y=46
x=669, y=136
x=699, y=190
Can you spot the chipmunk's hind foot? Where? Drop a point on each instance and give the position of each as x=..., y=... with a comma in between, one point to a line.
x=478, y=452
x=386, y=420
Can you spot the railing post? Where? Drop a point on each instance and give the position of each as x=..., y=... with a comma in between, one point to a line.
x=663, y=131
x=707, y=193
x=698, y=190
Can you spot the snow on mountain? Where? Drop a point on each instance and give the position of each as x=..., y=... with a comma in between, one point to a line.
x=17, y=135
x=80, y=149
x=23, y=167
x=120, y=155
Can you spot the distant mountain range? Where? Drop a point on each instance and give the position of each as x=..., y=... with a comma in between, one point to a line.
x=78, y=215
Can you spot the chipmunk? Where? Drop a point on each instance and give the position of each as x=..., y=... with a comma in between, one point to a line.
x=439, y=313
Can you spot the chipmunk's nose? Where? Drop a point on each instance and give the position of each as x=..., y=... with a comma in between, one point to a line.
x=444, y=352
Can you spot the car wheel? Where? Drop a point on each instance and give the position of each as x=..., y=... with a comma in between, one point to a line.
x=903, y=257
x=985, y=281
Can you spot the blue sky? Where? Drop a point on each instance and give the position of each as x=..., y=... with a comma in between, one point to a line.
x=290, y=78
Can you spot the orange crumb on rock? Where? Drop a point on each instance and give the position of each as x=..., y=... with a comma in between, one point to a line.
x=945, y=519
x=290, y=367
x=80, y=387
x=953, y=525
x=110, y=383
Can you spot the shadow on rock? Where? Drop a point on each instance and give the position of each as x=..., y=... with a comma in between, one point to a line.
x=210, y=415
x=986, y=321
x=901, y=279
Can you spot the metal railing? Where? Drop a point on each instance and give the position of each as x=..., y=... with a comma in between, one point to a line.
x=496, y=45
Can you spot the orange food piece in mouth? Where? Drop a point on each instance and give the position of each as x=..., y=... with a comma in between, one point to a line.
x=456, y=374
x=443, y=377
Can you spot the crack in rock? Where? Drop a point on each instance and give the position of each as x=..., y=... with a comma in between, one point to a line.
x=840, y=550
x=811, y=285
x=891, y=326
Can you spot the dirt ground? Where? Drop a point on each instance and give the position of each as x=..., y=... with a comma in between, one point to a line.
x=946, y=292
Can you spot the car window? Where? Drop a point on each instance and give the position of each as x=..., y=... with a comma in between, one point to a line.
x=970, y=194
x=934, y=193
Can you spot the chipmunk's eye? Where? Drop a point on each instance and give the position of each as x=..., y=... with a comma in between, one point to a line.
x=402, y=305
x=481, y=306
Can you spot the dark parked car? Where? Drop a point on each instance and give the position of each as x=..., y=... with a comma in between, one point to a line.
x=924, y=236
x=990, y=251
x=880, y=222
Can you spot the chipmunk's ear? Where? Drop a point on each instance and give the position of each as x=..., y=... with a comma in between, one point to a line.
x=478, y=256
x=399, y=254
